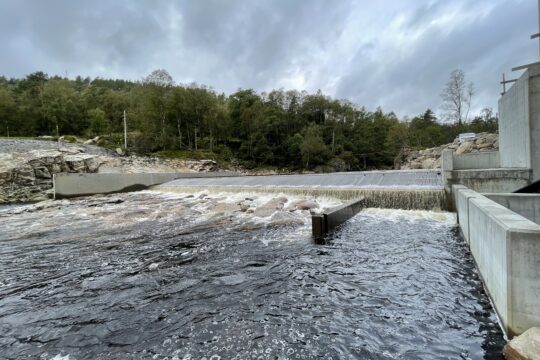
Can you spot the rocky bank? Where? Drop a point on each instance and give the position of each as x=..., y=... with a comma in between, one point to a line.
x=431, y=158
x=27, y=166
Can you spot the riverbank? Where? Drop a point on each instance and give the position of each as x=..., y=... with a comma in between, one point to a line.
x=27, y=166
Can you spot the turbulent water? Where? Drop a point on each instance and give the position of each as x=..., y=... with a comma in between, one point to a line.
x=158, y=276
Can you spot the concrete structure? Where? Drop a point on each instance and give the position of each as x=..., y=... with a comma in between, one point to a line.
x=506, y=248
x=83, y=184
x=526, y=205
x=485, y=176
x=428, y=179
x=322, y=224
x=519, y=123
x=410, y=189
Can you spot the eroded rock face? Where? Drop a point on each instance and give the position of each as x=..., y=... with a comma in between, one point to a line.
x=29, y=176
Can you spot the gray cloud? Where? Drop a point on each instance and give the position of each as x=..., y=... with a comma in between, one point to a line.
x=397, y=55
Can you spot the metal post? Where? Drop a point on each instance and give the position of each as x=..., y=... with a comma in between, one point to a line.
x=125, y=131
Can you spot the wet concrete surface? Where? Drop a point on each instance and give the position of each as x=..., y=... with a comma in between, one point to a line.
x=391, y=179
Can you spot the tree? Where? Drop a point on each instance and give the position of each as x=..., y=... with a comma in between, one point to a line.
x=7, y=110
x=98, y=122
x=313, y=148
x=457, y=96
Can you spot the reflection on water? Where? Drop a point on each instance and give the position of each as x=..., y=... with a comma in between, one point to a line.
x=154, y=276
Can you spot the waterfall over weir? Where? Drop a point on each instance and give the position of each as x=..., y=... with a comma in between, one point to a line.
x=408, y=190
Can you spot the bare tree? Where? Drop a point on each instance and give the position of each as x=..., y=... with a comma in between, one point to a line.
x=457, y=97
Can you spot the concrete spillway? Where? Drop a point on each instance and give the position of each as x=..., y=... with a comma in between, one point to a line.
x=418, y=189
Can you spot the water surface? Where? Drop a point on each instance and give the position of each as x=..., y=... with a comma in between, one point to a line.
x=156, y=276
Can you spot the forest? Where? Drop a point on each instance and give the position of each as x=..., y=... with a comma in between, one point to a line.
x=284, y=129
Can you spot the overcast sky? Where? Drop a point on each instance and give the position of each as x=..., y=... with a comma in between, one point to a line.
x=394, y=54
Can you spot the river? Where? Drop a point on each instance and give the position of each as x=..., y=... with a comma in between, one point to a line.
x=150, y=275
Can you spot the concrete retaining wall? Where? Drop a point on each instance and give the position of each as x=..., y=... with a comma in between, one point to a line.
x=506, y=248
x=75, y=185
x=480, y=172
x=526, y=205
x=478, y=160
x=492, y=180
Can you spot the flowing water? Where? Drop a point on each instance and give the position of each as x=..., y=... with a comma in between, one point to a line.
x=162, y=276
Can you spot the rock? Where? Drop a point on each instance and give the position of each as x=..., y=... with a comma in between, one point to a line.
x=429, y=163
x=524, y=347
x=93, y=163
x=282, y=218
x=120, y=152
x=24, y=175
x=88, y=142
x=306, y=205
x=465, y=147
x=270, y=207
x=71, y=150
x=224, y=207
x=245, y=205
x=42, y=173
x=485, y=146
x=5, y=176
x=77, y=163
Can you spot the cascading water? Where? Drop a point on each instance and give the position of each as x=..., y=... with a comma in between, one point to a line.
x=390, y=198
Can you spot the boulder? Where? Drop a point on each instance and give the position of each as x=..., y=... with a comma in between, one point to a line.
x=120, y=152
x=465, y=147
x=485, y=145
x=270, y=207
x=223, y=207
x=77, y=163
x=282, y=218
x=524, y=347
x=93, y=163
x=429, y=163
x=306, y=205
x=42, y=173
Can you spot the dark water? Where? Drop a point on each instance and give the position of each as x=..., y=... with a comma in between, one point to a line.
x=146, y=277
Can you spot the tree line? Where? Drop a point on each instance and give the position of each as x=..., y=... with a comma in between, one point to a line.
x=291, y=129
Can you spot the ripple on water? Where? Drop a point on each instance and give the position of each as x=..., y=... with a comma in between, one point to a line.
x=153, y=276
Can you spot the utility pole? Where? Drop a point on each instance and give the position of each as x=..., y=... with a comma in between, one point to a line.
x=125, y=129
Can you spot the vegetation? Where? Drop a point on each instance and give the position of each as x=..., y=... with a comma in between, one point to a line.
x=281, y=128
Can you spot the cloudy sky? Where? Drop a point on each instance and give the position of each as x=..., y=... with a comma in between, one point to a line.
x=394, y=54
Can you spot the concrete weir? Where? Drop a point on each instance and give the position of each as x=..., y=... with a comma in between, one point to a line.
x=506, y=248
x=67, y=185
x=420, y=189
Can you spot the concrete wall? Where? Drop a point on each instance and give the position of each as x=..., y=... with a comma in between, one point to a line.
x=506, y=248
x=526, y=205
x=480, y=172
x=514, y=139
x=74, y=185
x=492, y=180
x=534, y=120
x=478, y=160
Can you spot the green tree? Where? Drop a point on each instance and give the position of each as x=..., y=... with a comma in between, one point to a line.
x=313, y=148
x=98, y=122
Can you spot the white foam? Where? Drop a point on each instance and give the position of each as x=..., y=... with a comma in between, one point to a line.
x=446, y=218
